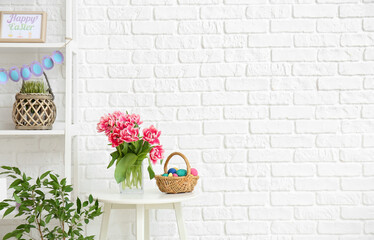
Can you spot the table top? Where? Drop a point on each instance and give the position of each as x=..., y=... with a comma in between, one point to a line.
x=150, y=196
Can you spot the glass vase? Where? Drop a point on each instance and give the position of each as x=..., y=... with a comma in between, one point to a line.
x=133, y=182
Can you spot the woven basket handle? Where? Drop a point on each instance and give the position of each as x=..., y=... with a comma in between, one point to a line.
x=184, y=158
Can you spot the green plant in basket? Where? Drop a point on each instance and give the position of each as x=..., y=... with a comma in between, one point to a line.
x=122, y=130
x=46, y=207
x=33, y=87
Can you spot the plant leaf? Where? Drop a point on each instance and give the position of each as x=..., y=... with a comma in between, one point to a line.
x=122, y=166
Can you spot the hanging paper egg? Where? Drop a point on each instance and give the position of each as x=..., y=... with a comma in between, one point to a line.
x=14, y=74
x=25, y=72
x=36, y=68
x=47, y=62
x=3, y=76
x=57, y=57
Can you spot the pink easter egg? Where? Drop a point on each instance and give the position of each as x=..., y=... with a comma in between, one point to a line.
x=175, y=175
x=194, y=172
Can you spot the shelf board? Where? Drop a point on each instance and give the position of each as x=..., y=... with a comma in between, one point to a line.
x=32, y=45
x=7, y=130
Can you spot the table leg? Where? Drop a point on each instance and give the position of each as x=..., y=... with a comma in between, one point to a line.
x=105, y=221
x=180, y=222
x=146, y=225
x=140, y=221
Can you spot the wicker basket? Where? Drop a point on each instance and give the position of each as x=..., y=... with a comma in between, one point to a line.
x=34, y=111
x=176, y=184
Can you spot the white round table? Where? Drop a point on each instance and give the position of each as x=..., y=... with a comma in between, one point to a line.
x=142, y=202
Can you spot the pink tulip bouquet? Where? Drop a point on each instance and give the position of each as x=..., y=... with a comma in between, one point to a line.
x=123, y=132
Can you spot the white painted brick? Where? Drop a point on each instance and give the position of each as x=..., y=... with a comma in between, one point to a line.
x=293, y=55
x=197, y=142
x=224, y=156
x=152, y=57
x=197, y=27
x=265, y=69
x=317, y=126
x=199, y=113
x=314, y=69
x=130, y=71
x=316, y=184
x=356, y=68
x=287, y=198
x=263, y=12
x=317, y=213
x=316, y=11
x=225, y=184
x=300, y=227
x=226, y=127
x=272, y=213
x=339, y=227
x=292, y=141
x=227, y=41
x=217, y=213
x=357, y=40
x=236, y=141
x=273, y=126
x=153, y=2
x=339, y=170
x=369, y=83
x=153, y=114
x=221, y=12
x=339, y=55
x=247, y=84
x=201, y=84
x=222, y=70
x=149, y=27
x=369, y=54
x=205, y=228
x=316, y=98
x=176, y=71
x=339, y=83
x=176, y=42
x=224, y=98
x=338, y=25
x=130, y=42
x=359, y=126
x=245, y=112
x=246, y=228
x=133, y=100
x=356, y=97
x=246, y=199
x=156, y=85
x=172, y=99
x=251, y=55
x=198, y=2
x=252, y=26
x=129, y=13
x=285, y=112
x=269, y=40
x=180, y=128
x=295, y=170
x=356, y=10
x=198, y=56
x=340, y=141
x=108, y=57
x=354, y=155
x=369, y=227
x=368, y=141
x=292, y=26
x=316, y=40
x=368, y=25
x=106, y=85
x=109, y=28
x=338, y=198
x=357, y=213
x=273, y=155
x=178, y=13
x=270, y=98
x=288, y=83
x=368, y=198
x=358, y=184
x=246, y=170
x=273, y=184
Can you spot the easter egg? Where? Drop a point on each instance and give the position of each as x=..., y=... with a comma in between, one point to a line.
x=194, y=172
x=176, y=168
x=170, y=174
x=172, y=170
x=165, y=175
x=175, y=175
x=182, y=172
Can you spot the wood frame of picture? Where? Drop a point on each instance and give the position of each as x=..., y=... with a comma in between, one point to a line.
x=43, y=27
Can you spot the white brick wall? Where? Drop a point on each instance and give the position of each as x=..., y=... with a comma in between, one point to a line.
x=272, y=100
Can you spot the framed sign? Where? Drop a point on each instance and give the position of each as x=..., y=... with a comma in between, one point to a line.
x=23, y=26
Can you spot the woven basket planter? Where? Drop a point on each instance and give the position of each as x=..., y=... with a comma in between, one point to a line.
x=34, y=111
x=176, y=184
